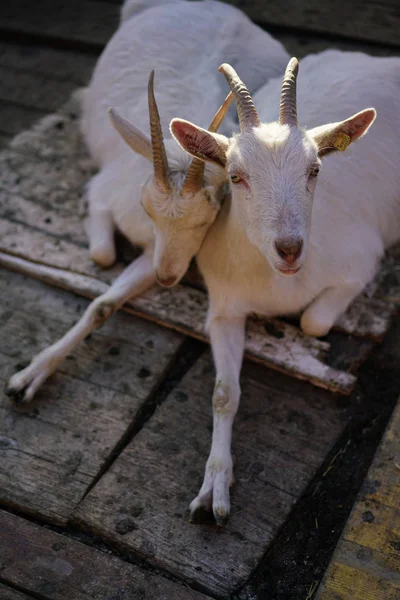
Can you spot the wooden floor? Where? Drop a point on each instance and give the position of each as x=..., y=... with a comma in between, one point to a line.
x=96, y=475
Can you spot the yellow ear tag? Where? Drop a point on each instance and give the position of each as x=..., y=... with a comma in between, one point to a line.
x=342, y=142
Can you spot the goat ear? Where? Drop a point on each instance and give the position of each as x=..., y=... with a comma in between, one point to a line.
x=210, y=147
x=134, y=137
x=338, y=136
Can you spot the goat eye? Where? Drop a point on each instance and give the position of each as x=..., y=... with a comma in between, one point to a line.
x=314, y=171
x=236, y=178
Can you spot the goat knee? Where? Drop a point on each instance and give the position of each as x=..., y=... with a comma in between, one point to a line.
x=226, y=398
x=316, y=323
x=103, y=255
x=101, y=312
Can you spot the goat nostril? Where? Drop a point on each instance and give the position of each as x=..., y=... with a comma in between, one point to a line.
x=289, y=250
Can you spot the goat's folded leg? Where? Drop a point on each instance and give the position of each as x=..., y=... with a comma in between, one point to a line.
x=136, y=278
x=99, y=227
x=320, y=316
x=227, y=340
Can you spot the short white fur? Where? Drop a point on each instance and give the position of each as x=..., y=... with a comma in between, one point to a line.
x=344, y=228
x=174, y=37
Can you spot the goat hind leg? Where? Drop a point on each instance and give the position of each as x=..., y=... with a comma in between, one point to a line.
x=320, y=316
x=100, y=230
x=136, y=278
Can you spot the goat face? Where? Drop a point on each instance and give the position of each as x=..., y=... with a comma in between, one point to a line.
x=273, y=171
x=181, y=221
x=177, y=199
x=272, y=168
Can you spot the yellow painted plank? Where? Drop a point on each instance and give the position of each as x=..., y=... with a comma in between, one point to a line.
x=375, y=526
x=383, y=481
x=366, y=562
x=346, y=583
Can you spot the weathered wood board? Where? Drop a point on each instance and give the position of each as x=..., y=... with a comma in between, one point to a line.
x=55, y=63
x=7, y=593
x=91, y=23
x=54, y=567
x=282, y=432
x=366, y=562
x=51, y=452
x=375, y=20
x=75, y=23
x=41, y=181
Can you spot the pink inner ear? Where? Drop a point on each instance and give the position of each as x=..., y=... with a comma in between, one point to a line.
x=358, y=126
x=183, y=131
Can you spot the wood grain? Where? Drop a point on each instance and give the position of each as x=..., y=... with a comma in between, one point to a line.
x=55, y=64
x=54, y=567
x=50, y=453
x=375, y=20
x=85, y=23
x=7, y=593
x=41, y=181
x=91, y=23
x=278, y=345
x=40, y=91
x=366, y=563
x=14, y=118
x=282, y=432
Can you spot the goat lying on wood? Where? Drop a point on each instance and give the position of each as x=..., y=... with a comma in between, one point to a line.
x=274, y=249
x=180, y=195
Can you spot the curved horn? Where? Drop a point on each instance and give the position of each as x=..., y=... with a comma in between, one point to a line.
x=194, y=178
x=160, y=162
x=247, y=112
x=220, y=114
x=288, y=103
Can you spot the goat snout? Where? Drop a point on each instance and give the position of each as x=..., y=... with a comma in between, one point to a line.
x=289, y=249
x=166, y=281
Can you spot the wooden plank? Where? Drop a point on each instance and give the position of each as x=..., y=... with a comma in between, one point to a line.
x=366, y=563
x=87, y=22
x=51, y=453
x=376, y=20
x=54, y=63
x=14, y=118
x=49, y=162
x=301, y=44
x=282, y=433
x=4, y=140
x=33, y=89
x=53, y=567
x=278, y=345
x=91, y=23
x=7, y=593
x=348, y=583
x=42, y=178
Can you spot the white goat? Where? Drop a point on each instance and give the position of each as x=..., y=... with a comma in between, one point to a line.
x=262, y=254
x=186, y=41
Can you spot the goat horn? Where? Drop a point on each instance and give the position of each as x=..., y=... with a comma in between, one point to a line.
x=288, y=103
x=246, y=110
x=194, y=178
x=160, y=161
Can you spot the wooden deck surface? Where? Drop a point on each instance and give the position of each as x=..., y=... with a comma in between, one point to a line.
x=96, y=475
x=365, y=565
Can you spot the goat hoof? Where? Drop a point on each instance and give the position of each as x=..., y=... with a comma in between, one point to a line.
x=221, y=517
x=23, y=385
x=17, y=395
x=201, y=515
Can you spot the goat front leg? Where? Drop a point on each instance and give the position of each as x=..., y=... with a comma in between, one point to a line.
x=320, y=316
x=136, y=278
x=227, y=340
